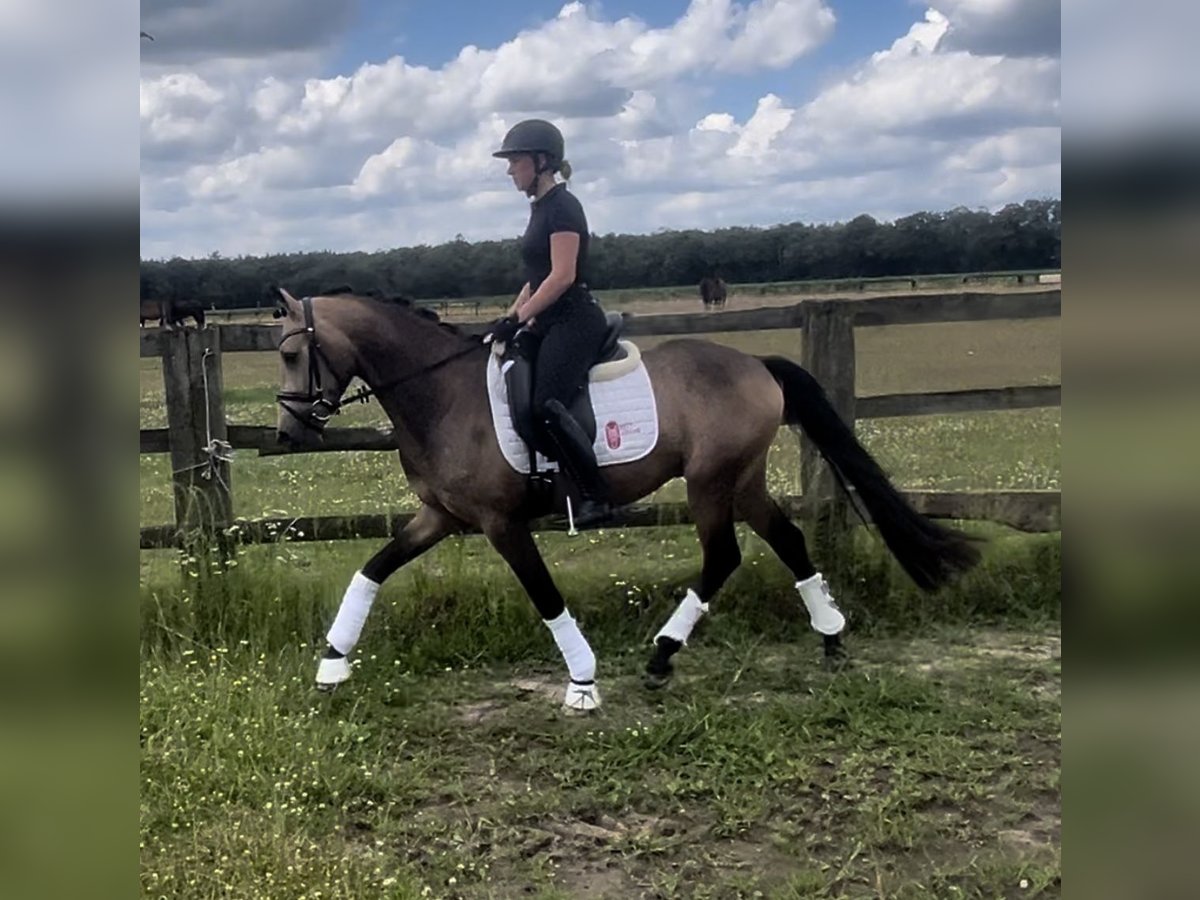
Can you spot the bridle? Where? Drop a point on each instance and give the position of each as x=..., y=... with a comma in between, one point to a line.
x=321, y=407
x=310, y=418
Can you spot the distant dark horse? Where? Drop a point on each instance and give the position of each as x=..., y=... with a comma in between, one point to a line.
x=172, y=312
x=718, y=411
x=712, y=292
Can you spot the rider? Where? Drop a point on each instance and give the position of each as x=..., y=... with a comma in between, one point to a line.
x=569, y=321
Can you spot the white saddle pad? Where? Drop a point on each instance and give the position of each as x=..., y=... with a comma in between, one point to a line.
x=626, y=419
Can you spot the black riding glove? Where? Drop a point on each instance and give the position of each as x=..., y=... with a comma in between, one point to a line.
x=503, y=331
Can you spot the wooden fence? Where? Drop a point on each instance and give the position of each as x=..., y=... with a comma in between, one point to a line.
x=199, y=439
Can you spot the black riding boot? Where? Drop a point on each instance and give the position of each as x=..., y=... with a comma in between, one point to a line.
x=575, y=454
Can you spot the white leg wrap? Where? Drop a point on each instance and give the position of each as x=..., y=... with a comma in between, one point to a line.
x=352, y=614
x=683, y=620
x=580, y=660
x=822, y=608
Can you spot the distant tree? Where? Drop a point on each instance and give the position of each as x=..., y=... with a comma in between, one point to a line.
x=1020, y=236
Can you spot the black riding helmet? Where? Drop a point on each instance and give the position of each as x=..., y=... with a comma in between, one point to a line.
x=534, y=136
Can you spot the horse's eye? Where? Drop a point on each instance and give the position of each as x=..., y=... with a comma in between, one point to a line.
x=290, y=356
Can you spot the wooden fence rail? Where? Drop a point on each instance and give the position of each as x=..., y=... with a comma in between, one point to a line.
x=197, y=434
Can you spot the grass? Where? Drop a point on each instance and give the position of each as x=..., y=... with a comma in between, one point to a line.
x=444, y=768
x=928, y=770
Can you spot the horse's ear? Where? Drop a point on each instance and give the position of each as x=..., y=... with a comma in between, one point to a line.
x=285, y=303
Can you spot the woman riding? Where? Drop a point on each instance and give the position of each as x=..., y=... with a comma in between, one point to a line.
x=556, y=305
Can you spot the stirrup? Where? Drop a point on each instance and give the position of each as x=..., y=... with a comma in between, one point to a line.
x=582, y=697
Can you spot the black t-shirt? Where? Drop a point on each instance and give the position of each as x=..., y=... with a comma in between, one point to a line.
x=557, y=210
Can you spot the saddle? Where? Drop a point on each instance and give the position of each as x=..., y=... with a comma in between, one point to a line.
x=614, y=359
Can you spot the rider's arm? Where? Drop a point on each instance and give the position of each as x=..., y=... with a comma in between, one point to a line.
x=522, y=297
x=564, y=250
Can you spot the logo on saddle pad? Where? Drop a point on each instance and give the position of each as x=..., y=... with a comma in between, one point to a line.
x=612, y=435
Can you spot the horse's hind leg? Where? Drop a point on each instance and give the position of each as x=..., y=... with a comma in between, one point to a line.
x=424, y=530
x=773, y=526
x=513, y=541
x=711, y=505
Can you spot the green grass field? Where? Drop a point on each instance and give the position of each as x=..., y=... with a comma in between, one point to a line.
x=444, y=769
x=931, y=770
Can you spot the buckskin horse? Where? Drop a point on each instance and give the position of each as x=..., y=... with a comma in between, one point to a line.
x=717, y=410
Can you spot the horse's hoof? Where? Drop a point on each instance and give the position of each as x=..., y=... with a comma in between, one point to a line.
x=836, y=662
x=659, y=668
x=582, y=697
x=332, y=672
x=657, y=677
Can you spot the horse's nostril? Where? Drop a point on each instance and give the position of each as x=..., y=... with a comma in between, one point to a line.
x=283, y=437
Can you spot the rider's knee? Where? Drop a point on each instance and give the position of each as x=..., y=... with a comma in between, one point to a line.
x=549, y=410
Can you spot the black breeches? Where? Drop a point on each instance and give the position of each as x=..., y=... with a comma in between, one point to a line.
x=568, y=349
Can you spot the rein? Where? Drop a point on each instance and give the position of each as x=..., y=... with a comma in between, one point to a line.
x=315, y=396
x=362, y=395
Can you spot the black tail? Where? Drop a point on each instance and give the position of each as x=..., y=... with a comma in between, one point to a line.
x=930, y=553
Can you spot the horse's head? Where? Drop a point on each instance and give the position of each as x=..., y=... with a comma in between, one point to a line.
x=316, y=365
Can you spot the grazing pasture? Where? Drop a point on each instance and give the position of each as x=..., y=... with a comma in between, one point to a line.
x=444, y=769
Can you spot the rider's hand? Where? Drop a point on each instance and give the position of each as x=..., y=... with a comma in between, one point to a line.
x=503, y=330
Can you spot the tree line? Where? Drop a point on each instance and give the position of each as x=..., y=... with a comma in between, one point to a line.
x=1020, y=236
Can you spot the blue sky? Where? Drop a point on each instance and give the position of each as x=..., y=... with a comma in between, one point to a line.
x=288, y=125
x=424, y=34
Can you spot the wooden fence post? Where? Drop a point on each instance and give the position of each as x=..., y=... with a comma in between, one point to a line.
x=197, y=434
x=829, y=357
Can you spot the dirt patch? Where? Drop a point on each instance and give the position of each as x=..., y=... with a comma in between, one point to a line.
x=984, y=650
x=1021, y=839
x=482, y=711
x=597, y=856
x=1025, y=647
x=542, y=686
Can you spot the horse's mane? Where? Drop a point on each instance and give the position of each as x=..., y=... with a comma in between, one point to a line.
x=344, y=290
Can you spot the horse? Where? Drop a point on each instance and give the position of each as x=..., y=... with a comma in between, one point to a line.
x=712, y=292
x=149, y=309
x=718, y=411
x=173, y=312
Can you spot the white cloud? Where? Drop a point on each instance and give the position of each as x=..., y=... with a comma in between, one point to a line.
x=272, y=98
x=775, y=34
x=720, y=122
x=770, y=118
x=396, y=153
x=260, y=172
x=1021, y=147
x=915, y=85
x=183, y=116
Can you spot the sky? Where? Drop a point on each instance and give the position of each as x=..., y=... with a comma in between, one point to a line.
x=289, y=125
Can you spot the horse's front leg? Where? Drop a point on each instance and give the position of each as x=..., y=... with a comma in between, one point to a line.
x=424, y=530
x=513, y=541
x=711, y=506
